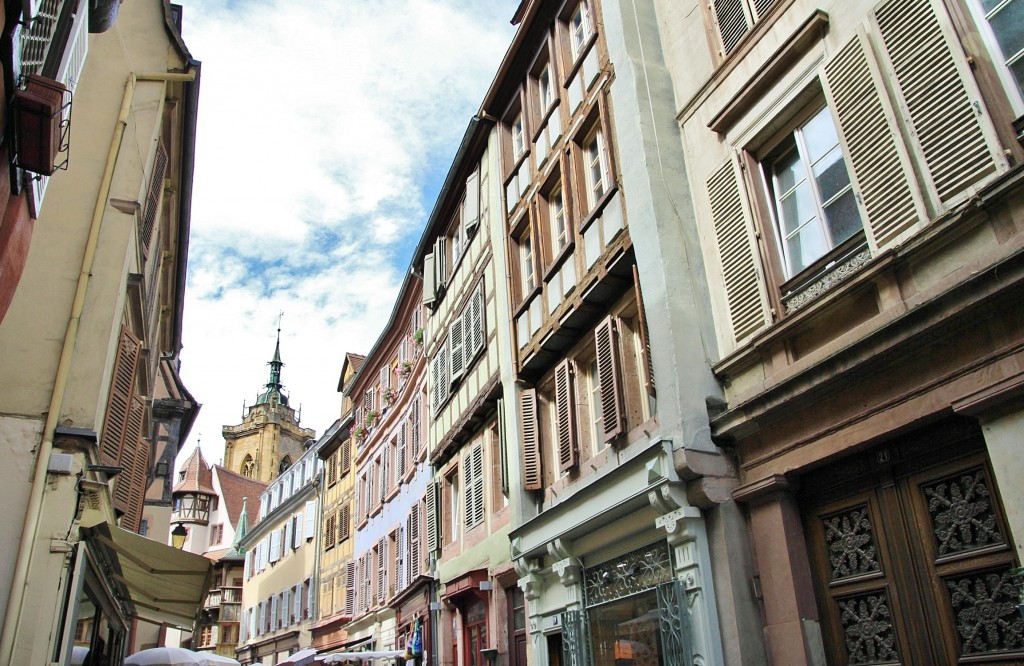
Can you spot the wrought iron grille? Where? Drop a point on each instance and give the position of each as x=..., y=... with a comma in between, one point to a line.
x=631, y=573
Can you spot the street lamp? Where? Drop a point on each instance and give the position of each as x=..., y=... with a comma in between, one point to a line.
x=178, y=536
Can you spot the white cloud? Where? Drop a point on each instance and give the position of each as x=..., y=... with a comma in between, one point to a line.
x=321, y=124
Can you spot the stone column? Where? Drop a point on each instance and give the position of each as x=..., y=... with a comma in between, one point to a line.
x=530, y=582
x=792, y=630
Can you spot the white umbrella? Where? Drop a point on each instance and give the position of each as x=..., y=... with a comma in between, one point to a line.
x=163, y=656
x=303, y=657
x=211, y=659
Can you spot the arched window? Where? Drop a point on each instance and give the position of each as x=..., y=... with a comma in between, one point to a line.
x=286, y=462
x=248, y=466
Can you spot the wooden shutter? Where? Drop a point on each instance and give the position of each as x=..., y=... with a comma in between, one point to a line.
x=565, y=416
x=471, y=207
x=414, y=430
x=384, y=377
x=429, y=281
x=401, y=452
x=399, y=557
x=332, y=470
x=439, y=379
x=415, y=563
x=440, y=262
x=735, y=237
x=457, y=347
x=733, y=22
x=350, y=591
x=477, y=455
x=122, y=391
x=344, y=522
x=382, y=569
x=287, y=539
x=154, y=195
x=645, y=335
x=939, y=95
x=346, y=457
x=475, y=333
x=329, y=532
x=130, y=488
x=610, y=379
x=309, y=529
x=880, y=164
x=531, y=439
x=432, y=518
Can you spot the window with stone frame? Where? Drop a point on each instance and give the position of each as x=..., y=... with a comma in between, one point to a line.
x=733, y=19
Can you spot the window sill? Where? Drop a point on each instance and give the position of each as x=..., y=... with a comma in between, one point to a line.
x=825, y=273
x=598, y=208
x=545, y=117
x=559, y=259
x=580, y=57
x=524, y=304
x=516, y=163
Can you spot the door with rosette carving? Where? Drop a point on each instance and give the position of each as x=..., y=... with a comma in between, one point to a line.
x=911, y=555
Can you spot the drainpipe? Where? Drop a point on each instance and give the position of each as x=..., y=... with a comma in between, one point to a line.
x=30, y=528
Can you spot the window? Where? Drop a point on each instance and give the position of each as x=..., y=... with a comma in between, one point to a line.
x=464, y=342
x=1001, y=27
x=545, y=89
x=518, y=137
x=527, y=274
x=332, y=471
x=344, y=523
x=345, y=455
x=595, y=167
x=811, y=194
x=329, y=533
x=554, y=202
x=216, y=534
x=248, y=466
x=579, y=30
x=735, y=18
x=451, y=506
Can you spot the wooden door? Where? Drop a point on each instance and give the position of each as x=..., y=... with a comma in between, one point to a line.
x=911, y=555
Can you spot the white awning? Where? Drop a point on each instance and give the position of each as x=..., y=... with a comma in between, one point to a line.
x=159, y=583
x=342, y=657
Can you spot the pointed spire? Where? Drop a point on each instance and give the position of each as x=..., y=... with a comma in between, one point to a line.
x=241, y=529
x=274, y=384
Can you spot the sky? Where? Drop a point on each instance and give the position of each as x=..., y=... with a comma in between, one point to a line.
x=325, y=130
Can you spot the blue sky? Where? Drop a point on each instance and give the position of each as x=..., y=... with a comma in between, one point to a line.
x=325, y=131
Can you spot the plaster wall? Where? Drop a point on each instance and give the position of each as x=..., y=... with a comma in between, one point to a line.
x=1004, y=439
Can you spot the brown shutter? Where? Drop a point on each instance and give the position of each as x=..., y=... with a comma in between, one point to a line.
x=350, y=592
x=130, y=488
x=610, y=379
x=329, y=533
x=346, y=457
x=565, y=416
x=122, y=390
x=531, y=441
x=735, y=237
x=939, y=95
x=645, y=336
x=880, y=165
x=156, y=188
x=344, y=522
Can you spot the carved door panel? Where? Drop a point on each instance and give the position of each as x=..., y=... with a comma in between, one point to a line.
x=911, y=565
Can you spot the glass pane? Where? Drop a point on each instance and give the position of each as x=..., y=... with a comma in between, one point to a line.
x=831, y=175
x=819, y=135
x=626, y=632
x=842, y=217
x=788, y=172
x=1008, y=27
x=804, y=247
x=1017, y=69
x=797, y=209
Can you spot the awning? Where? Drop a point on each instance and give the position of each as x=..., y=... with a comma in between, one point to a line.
x=156, y=582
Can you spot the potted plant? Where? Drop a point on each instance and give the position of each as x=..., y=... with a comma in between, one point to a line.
x=390, y=395
x=358, y=432
x=371, y=418
x=418, y=336
x=404, y=369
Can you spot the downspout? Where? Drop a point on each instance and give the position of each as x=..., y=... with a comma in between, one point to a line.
x=30, y=528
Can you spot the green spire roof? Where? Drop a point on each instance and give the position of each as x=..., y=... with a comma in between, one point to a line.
x=274, y=384
x=240, y=531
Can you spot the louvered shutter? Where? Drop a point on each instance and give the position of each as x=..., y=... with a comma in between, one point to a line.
x=429, y=281
x=298, y=528
x=471, y=207
x=130, y=487
x=247, y=569
x=287, y=539
x=413, y=531
x=879, y=163
x=439, y=379
x=610, y=379
x=122, y=390
x=385, y=472
x=475, y=332
x=414, y=430
x=382, y=570
x=400, y=454
x=309, y=530
x=645, y=334
x=384, y=377
x=939, y=95
x=297, y=610
x=433, y=540
x=273, y=612
x=531, y=439
x=275, y=546
x=565, y=416
x=286, y=607
x=329, y=532
x=733, y=22
x=457, y=348
x=154, y=195
x=350, y=590
x=346, y=457
x=344, y=523
x=735, y=237
x=478, y=483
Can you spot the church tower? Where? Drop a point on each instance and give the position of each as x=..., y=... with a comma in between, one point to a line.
x=269, y=438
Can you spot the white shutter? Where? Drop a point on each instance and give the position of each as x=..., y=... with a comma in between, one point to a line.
x=252, y=622
x=286, y=607
x=399, y=558
x=400, y=453
x=307, y=587
x=273, y=612
x=471, y=207
x=248, y=566
x=429, y=280
x=475, y=333
x=478, y=482
x=287, y=540
x=441, y=262
x=413, y=532
x=439, y=378
x=275, y=546
x=310, y=528
x=433, y=538
x=456, y=348
x=298, y=602
x=384, y=376
x=297, y=530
